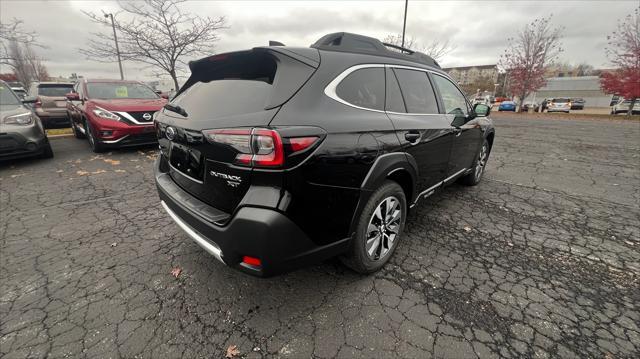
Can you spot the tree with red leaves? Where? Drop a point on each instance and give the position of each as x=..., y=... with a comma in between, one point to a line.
x=623, y=51
x=8, y=77
x=534, y=48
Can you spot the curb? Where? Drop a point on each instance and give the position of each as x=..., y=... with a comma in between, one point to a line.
x=60, y=136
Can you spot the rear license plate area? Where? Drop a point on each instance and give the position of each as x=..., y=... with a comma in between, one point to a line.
x=186, y=160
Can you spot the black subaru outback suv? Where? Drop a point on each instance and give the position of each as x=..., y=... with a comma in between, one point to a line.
x=277, y=157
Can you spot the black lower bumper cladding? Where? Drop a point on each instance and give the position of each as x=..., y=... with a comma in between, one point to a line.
x=262, y=233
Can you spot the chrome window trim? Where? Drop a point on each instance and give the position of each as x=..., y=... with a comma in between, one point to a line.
x=330, y=90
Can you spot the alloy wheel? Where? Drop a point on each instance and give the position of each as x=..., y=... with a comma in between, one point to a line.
x=482, y=160
x=90, y=135
x=383, y=228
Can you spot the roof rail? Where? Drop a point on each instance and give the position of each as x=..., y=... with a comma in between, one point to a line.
x=348, y=42
x=402, y=49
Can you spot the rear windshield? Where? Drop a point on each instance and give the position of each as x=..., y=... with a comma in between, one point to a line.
x=119, y=90
x=7, y=97
x=240, y=82
x=54, y=90
x=560, y=100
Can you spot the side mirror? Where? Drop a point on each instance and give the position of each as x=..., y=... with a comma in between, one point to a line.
x=164, y=96
x=481, y=110
x=29, y=99
x=73, y=96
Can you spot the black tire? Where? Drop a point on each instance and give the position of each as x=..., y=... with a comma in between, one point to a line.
x=76, y=132
x=47, y=151
x=475, y=176
x=96, y=146
x=389, y=230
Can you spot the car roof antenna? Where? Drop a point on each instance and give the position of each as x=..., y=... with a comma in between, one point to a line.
x=275, y=43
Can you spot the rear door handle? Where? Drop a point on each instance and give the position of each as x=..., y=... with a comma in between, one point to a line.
x=412, y=136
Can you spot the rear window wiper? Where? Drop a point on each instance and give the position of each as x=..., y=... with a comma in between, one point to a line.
x=177, y=109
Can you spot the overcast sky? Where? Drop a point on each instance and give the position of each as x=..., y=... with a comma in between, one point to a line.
x=477, y=29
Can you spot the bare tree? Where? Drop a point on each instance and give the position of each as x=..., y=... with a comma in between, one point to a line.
x=27, y=66
x=13, y=32
x=528, y=54
x=157, y=33
x=436, y=49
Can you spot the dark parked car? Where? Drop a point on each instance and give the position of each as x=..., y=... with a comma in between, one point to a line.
x=21, y=132
x=530, y=105
x=50, y=103
x=113, y=113
x=577, y=104
x=272, y=158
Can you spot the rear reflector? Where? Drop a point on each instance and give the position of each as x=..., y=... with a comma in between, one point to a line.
x=252, y=261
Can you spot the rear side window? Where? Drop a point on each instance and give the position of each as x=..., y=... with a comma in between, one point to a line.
x=54, y=90
x=454, y=101
x=364, y=88
x=417, y=91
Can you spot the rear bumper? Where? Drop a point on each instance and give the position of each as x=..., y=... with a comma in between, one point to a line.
x=261, y=233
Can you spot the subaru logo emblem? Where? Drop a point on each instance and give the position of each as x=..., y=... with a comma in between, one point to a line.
x=147, y=116
x=170, y=132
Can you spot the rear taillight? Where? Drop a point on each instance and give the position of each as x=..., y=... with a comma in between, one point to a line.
x=38, y=103
x=257, y=147
x=267, y=145
x=299, y=144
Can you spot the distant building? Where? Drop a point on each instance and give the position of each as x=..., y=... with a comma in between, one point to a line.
x=586, y=87
x=466, y=75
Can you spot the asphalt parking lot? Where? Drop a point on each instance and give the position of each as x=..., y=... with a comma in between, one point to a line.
x=542, y=259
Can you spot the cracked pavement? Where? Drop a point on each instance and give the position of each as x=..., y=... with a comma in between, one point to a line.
x=542, y=259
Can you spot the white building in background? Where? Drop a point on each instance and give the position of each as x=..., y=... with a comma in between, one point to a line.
x=470, y=74
x=586, y=87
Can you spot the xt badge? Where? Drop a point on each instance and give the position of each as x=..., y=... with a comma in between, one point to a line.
x=232, y=181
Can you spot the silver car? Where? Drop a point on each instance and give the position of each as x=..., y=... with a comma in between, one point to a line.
x=559, y=105
x=21, y=131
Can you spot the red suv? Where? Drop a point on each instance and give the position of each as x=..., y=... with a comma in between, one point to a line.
x=113, y=113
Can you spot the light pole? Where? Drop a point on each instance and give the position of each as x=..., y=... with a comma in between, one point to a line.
x=404, y=24
x=115, y=37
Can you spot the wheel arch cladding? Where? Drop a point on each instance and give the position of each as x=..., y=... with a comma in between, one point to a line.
x=397, y=166
x=404, y=179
